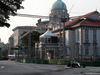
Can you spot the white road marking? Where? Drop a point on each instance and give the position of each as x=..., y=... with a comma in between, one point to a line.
x=2, y=67
x=92, y=73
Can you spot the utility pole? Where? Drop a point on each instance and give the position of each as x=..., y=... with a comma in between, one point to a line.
x=29, y=43
x=60, y=41
x=63, y=20
x=18, y=52
x=64, y=52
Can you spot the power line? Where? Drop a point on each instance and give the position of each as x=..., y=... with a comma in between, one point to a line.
x=32, y=16
x=26, y=15
x=71, y=8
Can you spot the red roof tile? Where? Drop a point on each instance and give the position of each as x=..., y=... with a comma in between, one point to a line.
x=80, y=20
x=88, y=22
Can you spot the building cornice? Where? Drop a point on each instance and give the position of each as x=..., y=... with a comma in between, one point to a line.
x=23, y=27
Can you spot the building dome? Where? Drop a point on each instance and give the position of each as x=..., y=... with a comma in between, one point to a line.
x=59, y=4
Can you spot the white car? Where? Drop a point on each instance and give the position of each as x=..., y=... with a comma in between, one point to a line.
x=75, y=64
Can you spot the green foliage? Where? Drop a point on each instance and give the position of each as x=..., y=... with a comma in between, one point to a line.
x=0, y=48
x=24, y=39
x=34, y=38
x=8, y=7
x=4, y=50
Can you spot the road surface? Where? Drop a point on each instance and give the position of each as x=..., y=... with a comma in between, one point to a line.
x=16, y=68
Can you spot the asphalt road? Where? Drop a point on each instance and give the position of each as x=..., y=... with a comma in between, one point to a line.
x=16, y=68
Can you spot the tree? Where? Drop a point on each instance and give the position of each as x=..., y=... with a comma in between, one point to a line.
x=0, y=52
x=34, y=38
x=3, y=50
x=8, y=7
x=25, y=42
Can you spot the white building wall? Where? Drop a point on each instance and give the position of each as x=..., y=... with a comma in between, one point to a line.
x=77, y=35
x=15, y=37
x=72, y=38
x=80, y=40
x=17, y=34
x=67, y=37
x=11, y=44
x=19, y=31
x=77, y=38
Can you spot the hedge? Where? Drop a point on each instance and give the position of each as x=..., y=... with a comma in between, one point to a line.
x=57, y=61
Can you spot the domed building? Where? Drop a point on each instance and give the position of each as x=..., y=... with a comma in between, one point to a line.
x=59, y=4
x=81, y=34
x=58, y=11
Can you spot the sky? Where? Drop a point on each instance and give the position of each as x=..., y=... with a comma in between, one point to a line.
x=43, y=7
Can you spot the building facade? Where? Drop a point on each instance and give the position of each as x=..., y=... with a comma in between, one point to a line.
x=81, y=33
x=58, y=12
x=15, y=39
x=19, y=30
x=82, y=36
x=11, y=45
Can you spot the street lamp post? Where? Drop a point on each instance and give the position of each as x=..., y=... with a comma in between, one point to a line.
x=29, y=43
x=60, y=41
x=63, y=20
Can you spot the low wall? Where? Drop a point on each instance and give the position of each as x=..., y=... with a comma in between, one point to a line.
x=57, y=61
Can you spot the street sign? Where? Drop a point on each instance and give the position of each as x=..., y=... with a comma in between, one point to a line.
x=16, y=48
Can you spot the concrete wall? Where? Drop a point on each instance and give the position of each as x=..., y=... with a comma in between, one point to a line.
x=19, y=31
x=11, y=44
x=17, y=34
x=15, y=37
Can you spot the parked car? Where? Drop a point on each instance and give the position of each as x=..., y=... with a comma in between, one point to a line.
x=76, y=64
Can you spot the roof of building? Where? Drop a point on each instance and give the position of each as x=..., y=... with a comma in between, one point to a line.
x=24, y=27
x=46, y=22
x=59, y=4
x=18, y=27
x=48, y=33
x=90, y=19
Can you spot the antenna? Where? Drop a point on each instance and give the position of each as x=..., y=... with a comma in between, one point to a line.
x=71, y=8
x=96, y=9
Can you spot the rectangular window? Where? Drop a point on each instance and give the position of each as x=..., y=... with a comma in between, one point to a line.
x=86, y=42
x=86, y=35
x=86, y=50
x=94, y=36
x=77, y=36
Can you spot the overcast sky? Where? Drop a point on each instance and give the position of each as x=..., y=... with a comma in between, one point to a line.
x=43, y=7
